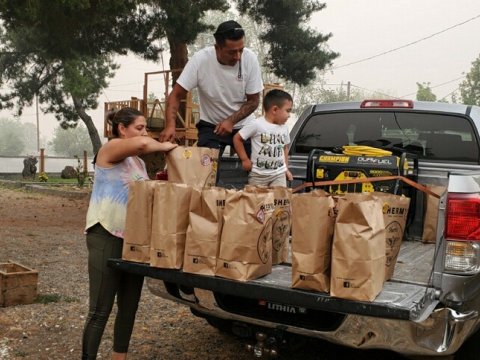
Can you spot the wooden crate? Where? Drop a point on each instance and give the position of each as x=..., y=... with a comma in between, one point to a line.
x=18, y=284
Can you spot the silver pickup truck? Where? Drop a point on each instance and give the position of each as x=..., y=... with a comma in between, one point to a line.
x=431, y=305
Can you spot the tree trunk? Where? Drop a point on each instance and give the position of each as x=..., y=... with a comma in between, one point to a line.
x=92, y=130
x=178, y=60
x=178, y=56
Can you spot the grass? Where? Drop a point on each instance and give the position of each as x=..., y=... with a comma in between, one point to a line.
x=59, y=180
x=54, y=298
x=52, y=179
x=48, y=298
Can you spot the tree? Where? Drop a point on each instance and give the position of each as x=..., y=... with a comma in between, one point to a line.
x=62, y=52
x=11, y=138
x=71, y=142
x=181, y=21
x=424, y=92
x=470, y=87
x=294, y=52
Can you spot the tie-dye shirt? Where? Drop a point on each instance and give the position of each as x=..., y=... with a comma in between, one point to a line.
x=108, y=202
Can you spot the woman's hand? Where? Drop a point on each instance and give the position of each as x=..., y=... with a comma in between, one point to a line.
x=167, y=146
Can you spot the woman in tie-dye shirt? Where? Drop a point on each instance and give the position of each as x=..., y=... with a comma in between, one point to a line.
x=117, y=163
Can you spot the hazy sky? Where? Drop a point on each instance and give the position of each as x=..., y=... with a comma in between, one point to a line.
x=441, y=50
x=365, y=28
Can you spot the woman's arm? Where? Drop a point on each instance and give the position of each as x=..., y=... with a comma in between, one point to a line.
x=117, y=150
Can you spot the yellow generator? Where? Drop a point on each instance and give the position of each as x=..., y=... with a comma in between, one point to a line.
x=357, y=162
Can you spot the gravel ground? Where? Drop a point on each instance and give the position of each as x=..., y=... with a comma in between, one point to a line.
x=45, y=232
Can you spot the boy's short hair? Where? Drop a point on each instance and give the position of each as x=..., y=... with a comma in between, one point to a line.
x=275, y=97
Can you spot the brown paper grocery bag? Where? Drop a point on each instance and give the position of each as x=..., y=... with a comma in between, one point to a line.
x=246, y=240
x=395, y=211
x=313, y=220
x=171, y=204
x=204, y=230
x=358, y=251
x=196, y=166
x=138, y=223
x=430, y=218
x=282, y=223
x=281, y=220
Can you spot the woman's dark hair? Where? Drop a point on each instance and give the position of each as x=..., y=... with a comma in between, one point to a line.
x=125, y=116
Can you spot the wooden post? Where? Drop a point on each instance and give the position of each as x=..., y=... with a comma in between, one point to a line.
x=85, y=162
x=42, y=160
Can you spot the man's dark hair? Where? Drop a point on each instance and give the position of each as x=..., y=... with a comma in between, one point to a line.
x=228, y=30
x=276, y=97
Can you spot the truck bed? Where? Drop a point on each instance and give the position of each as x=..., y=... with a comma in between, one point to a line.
x=401, y=298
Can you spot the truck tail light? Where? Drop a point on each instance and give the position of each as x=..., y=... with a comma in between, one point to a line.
x=463, y=217
x=378, y=104
x=462, y=233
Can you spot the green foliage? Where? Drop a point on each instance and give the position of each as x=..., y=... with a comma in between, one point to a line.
x=470, y=87
x=71, y=142
x=424, y=92
x=42, y=177
x=63, y=52
x=274, y=30
x=182, y=20
x=12, y=142
x=295, y=51
x=48, y=298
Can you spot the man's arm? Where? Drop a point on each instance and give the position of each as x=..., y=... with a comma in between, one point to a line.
x=248, y=107
x=173, y=103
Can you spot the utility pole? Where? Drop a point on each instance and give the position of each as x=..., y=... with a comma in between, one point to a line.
x=348, y=90
x=38, y=124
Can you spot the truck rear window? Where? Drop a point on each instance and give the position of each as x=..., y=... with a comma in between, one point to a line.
x=430, y=136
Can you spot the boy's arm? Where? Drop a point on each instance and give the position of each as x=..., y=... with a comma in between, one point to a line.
x=242, y=154
x=285, y=154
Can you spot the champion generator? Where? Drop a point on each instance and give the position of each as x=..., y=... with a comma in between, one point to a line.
x=358, y=162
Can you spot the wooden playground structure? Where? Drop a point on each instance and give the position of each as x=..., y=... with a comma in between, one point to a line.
x=154, y=109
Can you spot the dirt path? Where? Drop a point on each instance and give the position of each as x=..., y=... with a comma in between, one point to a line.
x=45, y=232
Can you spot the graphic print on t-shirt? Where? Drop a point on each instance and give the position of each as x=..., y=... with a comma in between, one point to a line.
x=270, y=156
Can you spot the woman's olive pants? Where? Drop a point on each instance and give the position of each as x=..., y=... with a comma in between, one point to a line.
x=105, y=284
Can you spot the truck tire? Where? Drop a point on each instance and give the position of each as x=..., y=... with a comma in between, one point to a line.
x=470, y=350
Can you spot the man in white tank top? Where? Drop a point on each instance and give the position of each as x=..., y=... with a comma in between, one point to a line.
x=228, y=78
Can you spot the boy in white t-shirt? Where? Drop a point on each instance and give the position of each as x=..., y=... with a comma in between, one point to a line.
x=269, y=135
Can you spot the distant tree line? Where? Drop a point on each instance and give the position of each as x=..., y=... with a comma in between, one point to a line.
x=20, y=139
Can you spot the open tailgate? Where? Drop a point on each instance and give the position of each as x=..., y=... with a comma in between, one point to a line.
x=396, y=301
